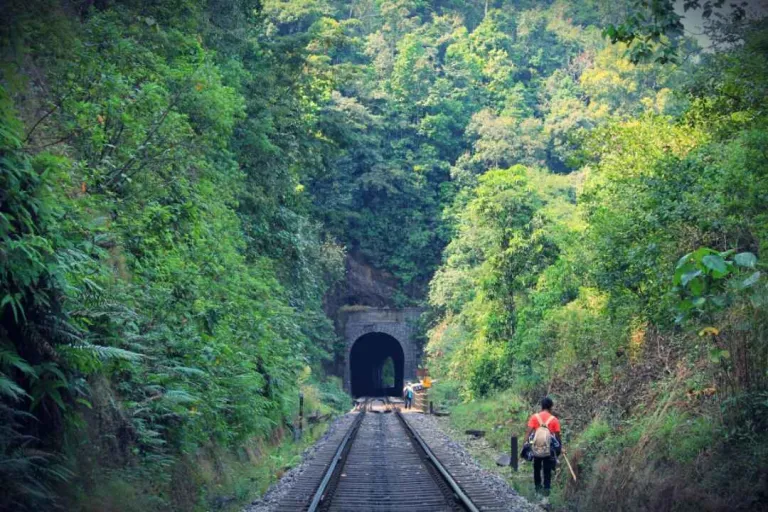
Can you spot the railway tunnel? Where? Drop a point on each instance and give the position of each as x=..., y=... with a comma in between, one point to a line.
x=377, y=364
x=381, y=349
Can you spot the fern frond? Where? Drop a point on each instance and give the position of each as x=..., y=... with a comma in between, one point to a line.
x=56, y=330
x=178, y=396
x=108, y=353
x=9, y=358
x=10, y=389
x=189, y=371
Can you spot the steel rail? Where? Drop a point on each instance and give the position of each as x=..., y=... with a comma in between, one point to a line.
x=337, y=459
x=461, y=497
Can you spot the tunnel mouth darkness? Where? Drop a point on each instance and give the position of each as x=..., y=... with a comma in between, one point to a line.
x=368, y=362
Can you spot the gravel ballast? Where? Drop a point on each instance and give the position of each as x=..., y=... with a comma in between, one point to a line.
x=283, y=487
x=457, y=460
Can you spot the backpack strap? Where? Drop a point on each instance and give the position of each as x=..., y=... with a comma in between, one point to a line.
x=546, y=423
x=538, y=418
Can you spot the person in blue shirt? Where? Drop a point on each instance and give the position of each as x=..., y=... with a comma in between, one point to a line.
x=408, y=395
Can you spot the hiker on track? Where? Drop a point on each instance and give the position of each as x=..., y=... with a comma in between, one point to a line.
x=543, y=437
x=408, y=395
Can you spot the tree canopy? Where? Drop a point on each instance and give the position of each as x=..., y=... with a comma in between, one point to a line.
x=575, y=190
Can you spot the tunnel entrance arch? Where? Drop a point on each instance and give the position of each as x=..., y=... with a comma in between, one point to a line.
x=368, y=359
x=399, y=324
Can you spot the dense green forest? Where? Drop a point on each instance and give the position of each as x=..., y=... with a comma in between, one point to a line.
x=576, y=190
x=162, y=273
x=613, y=264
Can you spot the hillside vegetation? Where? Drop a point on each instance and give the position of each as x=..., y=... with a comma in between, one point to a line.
x=628, y=288
x=576, y=190
x=162, y=276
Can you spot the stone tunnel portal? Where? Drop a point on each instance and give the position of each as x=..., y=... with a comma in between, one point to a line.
x=367, y=365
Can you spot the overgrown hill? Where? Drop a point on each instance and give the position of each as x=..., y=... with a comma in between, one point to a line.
x=162, y=275
x=183, y=180
x=631, y=289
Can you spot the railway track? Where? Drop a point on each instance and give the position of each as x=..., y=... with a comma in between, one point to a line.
x=380, y=463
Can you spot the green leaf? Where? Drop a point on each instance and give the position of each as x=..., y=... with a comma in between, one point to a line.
x=702, y=252
x=83, y=401
x=689, y=276
x=178, y=396
x=751, y=280
x=92, y=286
x=697, y=286
x=716, y=263
x=719, y=300
x=11, y=358
x=108, y=353
x=682, y=261
x=10, y=389
x=745, y=259
x=196, y=372
x=56, y=397
x=54, y=369
x=727, y=253
x=718, y=354
x=682, y=270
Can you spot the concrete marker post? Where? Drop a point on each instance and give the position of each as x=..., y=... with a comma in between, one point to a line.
x=301, y=414
x=513, y=457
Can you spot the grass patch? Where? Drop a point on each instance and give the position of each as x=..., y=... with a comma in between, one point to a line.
x=247, y=480
x=501, y=416
x=596, y=432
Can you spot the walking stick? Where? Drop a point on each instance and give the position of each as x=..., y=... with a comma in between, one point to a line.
x=570, y=468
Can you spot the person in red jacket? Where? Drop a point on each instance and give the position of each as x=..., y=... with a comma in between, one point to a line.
x=546, y=418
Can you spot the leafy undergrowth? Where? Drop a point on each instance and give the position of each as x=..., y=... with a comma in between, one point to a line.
x=670, y=450
x=501, y=416
x=212, y=479
x=115, y=478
